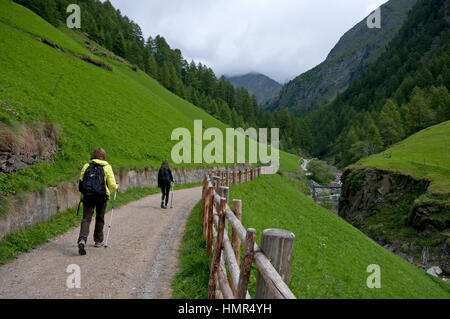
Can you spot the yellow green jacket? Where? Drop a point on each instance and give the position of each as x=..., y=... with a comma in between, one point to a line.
x=110, y=180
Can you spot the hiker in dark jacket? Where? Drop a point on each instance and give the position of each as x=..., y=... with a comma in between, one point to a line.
x=96, y=200
x=165, y=178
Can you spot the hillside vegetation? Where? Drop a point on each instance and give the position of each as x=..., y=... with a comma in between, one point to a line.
x=403, y=92
x=124, y=110
x=330, y=256
x=192, y=81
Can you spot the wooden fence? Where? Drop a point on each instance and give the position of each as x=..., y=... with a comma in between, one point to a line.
x=273, y=259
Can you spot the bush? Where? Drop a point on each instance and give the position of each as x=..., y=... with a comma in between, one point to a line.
x=321, y=172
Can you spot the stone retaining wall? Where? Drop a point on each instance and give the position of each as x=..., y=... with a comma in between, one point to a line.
x=38, y=207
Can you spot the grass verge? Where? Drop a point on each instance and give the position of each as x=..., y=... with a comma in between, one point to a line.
x=191, y=280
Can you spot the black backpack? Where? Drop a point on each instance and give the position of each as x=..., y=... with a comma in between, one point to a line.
x=165, y=175
x=93, y=182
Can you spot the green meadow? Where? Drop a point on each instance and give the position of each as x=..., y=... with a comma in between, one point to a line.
x=425, y=154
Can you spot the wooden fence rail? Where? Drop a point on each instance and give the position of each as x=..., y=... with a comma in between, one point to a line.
x=273, y=263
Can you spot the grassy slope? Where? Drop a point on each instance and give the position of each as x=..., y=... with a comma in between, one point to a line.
x=330, y=256
x=126, y=112
x=432, y=145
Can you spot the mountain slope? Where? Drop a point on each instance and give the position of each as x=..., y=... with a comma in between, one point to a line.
x=347, y=60
x=402, y=92
x=263, y=87
x=124, y=110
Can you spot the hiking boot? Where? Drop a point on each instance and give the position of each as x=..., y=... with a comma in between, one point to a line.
x=98, y=245
x=81, y=249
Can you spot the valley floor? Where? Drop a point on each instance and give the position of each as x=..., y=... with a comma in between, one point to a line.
x=140, y=262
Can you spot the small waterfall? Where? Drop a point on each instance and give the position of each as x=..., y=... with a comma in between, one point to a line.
x=425, y=255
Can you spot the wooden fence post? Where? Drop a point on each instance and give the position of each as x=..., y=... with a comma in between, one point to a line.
x=247, y=260
x=219, y=190
x=225, y=193
x=204, y=205
x=209, y=238
x=235, y=240
x=277, y=245
x=215, y=263
x=216, y=182
x=205, y=212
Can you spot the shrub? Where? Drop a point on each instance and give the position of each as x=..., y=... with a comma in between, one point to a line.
x=321, y=172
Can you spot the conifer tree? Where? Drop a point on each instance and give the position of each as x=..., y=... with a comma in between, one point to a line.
x=420, y=112
x=390, y=124
x=119, y=45
x=375, y=139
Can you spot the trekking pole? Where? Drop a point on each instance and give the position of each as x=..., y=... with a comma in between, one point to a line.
x=78, y=209
x=110, y=220
x=171, y=202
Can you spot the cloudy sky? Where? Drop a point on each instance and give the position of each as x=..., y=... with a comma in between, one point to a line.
x=279, y=38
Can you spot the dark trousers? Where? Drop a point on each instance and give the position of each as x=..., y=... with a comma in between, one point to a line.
x=165, y=188
x=89, y=204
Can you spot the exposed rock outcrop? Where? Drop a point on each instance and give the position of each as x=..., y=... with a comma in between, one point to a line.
x=26, y=144
x=365, y=189
x=397, y=211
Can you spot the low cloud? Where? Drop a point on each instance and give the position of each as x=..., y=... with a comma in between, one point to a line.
x=280, y=38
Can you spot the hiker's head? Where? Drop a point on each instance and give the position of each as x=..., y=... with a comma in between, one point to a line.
x=165, y=164
x=99, y=154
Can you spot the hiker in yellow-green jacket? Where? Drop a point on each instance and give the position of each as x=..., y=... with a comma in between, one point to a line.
x=97, y=181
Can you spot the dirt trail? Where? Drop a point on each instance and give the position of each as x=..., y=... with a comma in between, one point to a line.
x=140, y=263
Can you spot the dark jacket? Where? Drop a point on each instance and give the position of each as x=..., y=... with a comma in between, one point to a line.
x=164, y=176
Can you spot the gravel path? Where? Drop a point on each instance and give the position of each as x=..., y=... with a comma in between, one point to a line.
x=140, y=263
